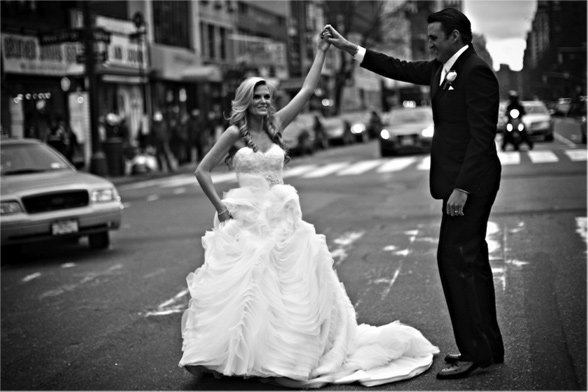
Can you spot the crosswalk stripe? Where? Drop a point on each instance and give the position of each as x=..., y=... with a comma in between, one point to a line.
x=326, y=170
x=396, y=165
x=576, y=155
x=509, y=158
x=360, y=167
x=425, y=163
x=298, y=170
x=542, y=156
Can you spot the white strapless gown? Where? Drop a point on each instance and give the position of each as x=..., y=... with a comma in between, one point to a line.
x=268, y=303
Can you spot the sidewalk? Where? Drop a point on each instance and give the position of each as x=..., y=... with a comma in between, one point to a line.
x=132, y=178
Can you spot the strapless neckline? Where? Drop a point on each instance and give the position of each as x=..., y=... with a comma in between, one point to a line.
x=259, y=150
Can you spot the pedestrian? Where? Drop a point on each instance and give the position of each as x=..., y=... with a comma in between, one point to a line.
x=267, y=301
x=160, y=141
x=465, y=174
x=56, y=135
x=198, y=134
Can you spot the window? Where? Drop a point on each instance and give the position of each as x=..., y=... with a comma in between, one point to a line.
x=171, y=23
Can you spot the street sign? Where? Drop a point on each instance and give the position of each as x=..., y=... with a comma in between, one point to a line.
x=99, y=57
x=60, y=36
x=99, y=34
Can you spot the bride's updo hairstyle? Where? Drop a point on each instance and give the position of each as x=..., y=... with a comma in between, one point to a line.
x=239, y=111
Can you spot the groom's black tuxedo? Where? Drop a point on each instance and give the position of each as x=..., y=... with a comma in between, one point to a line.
x=463, y=156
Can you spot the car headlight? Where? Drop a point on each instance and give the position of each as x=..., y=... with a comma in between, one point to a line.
x=10, y=207
x=104, y=195
x=509, y=127
x=428, y=132
x=357, y=128
x=384, y=134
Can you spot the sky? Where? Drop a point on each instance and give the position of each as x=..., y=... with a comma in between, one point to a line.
x=505, y=24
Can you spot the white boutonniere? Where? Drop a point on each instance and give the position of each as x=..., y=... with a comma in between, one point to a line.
x=449, y=79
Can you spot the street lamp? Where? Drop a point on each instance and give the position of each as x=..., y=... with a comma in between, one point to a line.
x=98, y=159
x=141, y=37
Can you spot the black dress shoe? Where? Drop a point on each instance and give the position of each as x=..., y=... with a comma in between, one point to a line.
x=461, y=369
x=454, y=358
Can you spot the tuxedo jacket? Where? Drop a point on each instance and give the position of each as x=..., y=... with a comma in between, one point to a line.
x=465, y=112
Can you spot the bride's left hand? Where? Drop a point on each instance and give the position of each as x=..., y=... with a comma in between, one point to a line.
x=323, y=44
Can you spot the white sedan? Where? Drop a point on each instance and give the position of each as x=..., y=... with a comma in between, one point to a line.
x=43, y=197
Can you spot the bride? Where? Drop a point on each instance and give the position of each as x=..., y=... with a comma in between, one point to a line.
x=267, y=301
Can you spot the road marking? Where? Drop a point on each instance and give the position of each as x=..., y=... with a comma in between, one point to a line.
x=87, y=278
x=30, y=277
x=179, y=191
x=396, y=165
x=509, y=158
x=298, y=170
x=176, y=182
x=152, y=197
x=344, y=242
x=582, y=227
x=576, y=155
x=564, y=140
x=360, y=167
x=425, y=163
x=326, y=170
x=542, y=156
x=172, y=305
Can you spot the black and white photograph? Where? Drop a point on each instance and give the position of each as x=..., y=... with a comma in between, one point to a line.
x=279, y=195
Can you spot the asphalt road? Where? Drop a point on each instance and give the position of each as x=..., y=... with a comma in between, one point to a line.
x=78, y=319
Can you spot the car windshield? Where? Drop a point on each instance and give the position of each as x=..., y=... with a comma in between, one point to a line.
x=410, y=116
x=29, y=158
x=535, y=108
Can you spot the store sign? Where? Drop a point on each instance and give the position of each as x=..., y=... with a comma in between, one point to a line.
x=24, y=55
x=122, y=50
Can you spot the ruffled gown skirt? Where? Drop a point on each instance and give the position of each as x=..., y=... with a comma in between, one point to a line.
x=268, y=303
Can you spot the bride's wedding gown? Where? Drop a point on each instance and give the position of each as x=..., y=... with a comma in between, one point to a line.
x=268, y=303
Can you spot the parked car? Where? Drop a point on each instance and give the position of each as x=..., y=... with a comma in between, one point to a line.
x=43, y=198
x=406, y=130
x=537, y=119
x=300, y=136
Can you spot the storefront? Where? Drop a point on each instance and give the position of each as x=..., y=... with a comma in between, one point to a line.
x=38, y=81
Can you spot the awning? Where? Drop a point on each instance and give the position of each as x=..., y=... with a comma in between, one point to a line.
x=202, y=73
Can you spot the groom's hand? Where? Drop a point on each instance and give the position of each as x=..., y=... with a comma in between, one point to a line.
x=333, y=37
x=456, y=203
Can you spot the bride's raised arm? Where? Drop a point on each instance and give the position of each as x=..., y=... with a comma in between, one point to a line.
x=291, y=110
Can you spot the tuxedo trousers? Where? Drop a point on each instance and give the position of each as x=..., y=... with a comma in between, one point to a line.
x=468, y=284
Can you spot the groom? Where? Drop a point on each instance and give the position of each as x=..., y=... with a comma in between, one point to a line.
x=465, y=174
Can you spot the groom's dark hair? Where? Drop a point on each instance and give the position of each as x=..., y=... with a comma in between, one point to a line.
x=451, y=19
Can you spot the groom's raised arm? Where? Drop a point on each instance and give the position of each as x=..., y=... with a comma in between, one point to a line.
x=419, y=72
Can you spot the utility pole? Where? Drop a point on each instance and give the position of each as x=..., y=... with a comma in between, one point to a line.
x=98, y=159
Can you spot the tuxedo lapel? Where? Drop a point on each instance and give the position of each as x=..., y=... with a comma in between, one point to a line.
x=436, y=81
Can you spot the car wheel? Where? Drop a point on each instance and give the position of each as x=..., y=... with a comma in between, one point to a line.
x=549, y=137
x=99, y=240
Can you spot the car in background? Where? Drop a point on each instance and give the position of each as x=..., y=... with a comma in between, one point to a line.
x=357, y=123
x=337, y=130
x=406, y=130
x=300, y=136
x=44, y=198
x=537, y=120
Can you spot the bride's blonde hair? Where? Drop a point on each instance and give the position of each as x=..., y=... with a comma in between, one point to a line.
x=239, y=110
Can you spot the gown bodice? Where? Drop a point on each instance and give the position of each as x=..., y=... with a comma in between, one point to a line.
x=261, y=168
